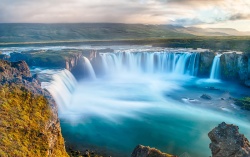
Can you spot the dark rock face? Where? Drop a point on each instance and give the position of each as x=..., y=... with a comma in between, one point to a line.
x=73, y=61
x=143, y=151
x=205, y=96
x=18, y=73
x=226, y=141
x=235, y=67
x=205, y=64
x=229, y=66
x=10, y=70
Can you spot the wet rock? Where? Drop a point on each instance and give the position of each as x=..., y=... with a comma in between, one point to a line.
x=205, y=96
x=226, y=141
x=213, y=88
x=243, y=67
x=229, y=66
x=206, y=60
x=144, y=151
x=243, y=103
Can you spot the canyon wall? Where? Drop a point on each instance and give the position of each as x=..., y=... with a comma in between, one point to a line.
x=234, y=66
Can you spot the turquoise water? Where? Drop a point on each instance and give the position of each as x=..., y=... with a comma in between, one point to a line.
x=113, y=115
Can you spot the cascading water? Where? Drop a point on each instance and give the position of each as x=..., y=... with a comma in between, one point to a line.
x=88, y=68
x=61, y=88
x=103, y=111
x=151, y=62
x=215, y=71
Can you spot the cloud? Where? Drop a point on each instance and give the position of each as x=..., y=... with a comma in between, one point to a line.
x=187, y=21
x=239, y=16
x=179, y=12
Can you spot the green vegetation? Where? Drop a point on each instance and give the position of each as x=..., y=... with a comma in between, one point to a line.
x=115, y=33
x=84, y=31
x=213, y=43
x=244, y=103
x=24, y=117
x=48, y=58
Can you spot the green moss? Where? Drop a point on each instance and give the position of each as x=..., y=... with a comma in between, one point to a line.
x=22, y=125
x=244, y=103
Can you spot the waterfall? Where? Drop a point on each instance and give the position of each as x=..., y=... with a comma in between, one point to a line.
x=180, y=66
x=88, y=68
x=215, y=71
x=61, y=87
x=151, y=62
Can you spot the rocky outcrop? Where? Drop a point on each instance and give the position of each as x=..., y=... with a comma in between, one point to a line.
x=205, y=64
x=205, y=96
x=144, y=151
x=53, y=59
x=17, y=74
x=229, y=66
x=73, y=61
x=226, y=141
x=11, y=70
x=235, y=67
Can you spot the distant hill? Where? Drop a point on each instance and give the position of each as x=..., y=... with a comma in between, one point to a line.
x=213, y=31
x=84, y=31
x=103, y=31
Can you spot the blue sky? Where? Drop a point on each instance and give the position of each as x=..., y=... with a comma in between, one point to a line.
x=200, y=13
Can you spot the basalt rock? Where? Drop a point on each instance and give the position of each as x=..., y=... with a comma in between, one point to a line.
x=205, y=64
x=226, y=141
x=144, y=151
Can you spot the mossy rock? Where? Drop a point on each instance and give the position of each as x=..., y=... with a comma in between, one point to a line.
x=23, y=124
x=244, y=103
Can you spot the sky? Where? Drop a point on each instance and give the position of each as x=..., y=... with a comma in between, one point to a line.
x=198, y=13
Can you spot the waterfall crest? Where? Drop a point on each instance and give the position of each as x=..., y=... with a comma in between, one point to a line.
x=151, y=62
x=215, y=71
x=61, y=87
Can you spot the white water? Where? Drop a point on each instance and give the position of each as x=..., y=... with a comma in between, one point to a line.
x=215, y=71
x=136, y=107
x=150, y=62
x=141, y=109
x=88, y=67
x=61, y=88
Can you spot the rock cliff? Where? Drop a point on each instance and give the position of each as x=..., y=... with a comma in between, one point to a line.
x=55, y=59
x=226, y=141
x=235, y=67
x=29, y=123
x=205, y=64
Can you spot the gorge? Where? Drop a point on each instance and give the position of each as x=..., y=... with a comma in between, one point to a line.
x=142, y=95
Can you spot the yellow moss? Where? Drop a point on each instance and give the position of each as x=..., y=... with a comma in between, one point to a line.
x=22, y=124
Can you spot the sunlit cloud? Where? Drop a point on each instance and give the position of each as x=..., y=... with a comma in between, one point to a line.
x=176, y=12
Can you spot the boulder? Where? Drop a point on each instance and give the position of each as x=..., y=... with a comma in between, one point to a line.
x=205, y=96
x=145, y=151
x=226, y=141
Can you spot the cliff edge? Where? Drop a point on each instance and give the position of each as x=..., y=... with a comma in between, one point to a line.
x=29, y=124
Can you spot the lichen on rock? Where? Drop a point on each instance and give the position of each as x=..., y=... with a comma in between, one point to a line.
x=29, y=124
x=226, y=141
